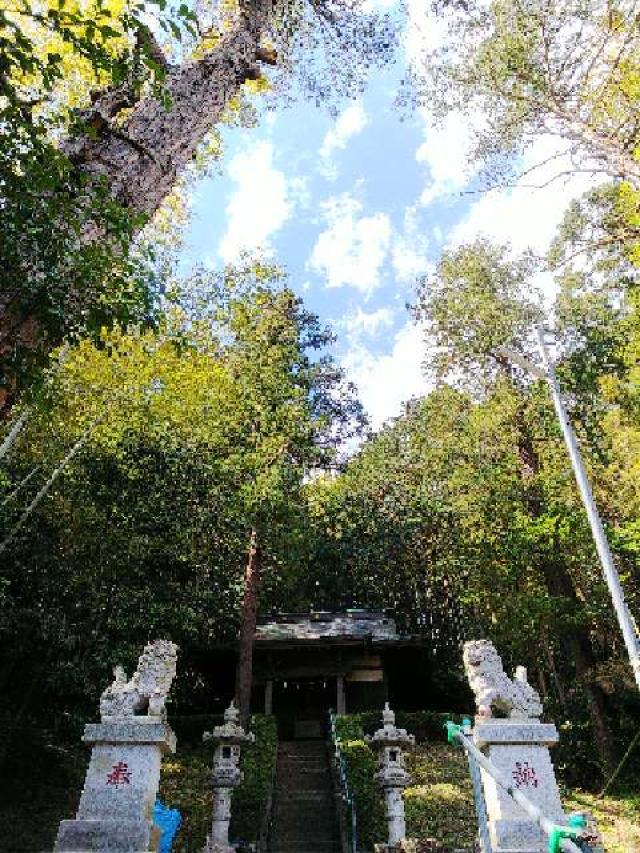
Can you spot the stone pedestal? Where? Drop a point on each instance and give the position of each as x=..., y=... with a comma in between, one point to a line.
x=520, y=751
x=116, y=806
x=115, y=814
x=391, y=775
x=509, y=731
x=394, y=803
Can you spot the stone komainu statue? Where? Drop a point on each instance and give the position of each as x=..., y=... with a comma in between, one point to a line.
x=493, y=688
x=146, y=691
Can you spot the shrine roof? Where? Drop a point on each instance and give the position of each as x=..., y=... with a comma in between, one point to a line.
x=346, y=626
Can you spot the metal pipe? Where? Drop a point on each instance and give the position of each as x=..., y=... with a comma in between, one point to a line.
x=547, y=826
x=478, y=797
x=14, y=432
x=602, y=545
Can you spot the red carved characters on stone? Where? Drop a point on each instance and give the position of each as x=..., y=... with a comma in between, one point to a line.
x=120, y=775
x=524, y=776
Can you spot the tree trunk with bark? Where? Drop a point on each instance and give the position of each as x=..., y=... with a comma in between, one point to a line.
x=141, y=158
x=244, y=670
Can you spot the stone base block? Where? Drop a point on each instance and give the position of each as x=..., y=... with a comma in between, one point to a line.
x=107, y=836
x=517, y=836
x=211, y=847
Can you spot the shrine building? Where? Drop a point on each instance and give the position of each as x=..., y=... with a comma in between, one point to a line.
x=348, y=661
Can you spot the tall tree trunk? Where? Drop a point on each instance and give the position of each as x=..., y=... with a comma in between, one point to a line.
x=559, y=584
x=141, y=158
x=244, y=670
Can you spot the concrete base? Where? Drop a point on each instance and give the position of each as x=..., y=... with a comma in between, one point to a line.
x=107, y=836
x=525, y=836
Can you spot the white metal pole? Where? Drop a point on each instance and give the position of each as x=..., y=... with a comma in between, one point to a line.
x=478, y=795
x=602, y=544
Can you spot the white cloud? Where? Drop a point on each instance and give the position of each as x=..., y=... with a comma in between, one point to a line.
x=370, y=6
x=260, y=204
x=446, y=151
x=350, y=122
x=367, y=322
x=448, y=142
x=385, y=382
x=424, y=31
x=353, y=248
x=409, y=251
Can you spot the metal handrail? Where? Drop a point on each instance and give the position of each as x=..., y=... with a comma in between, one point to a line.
x=560, y=837
x=343, y=782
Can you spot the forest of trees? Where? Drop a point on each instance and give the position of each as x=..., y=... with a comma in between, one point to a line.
x=173, y=453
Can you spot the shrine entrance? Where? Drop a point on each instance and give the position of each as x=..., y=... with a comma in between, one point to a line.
x=301, y=706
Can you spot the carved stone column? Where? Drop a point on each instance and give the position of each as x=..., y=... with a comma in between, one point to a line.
x=391, y=775
x=116, y=806
x=225, y=776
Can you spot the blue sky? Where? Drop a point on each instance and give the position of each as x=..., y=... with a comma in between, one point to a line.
x=357, y=207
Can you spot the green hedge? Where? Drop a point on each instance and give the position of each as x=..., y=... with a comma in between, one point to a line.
x=425, y=725
x=360, y=763
x=258, y=764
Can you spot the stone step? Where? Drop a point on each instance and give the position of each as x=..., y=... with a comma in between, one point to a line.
x=304, y=815
x=300, y=794
x=316, y=830
x=314, y=811
x=302, y=819
x=293, y=762
x=301, y=837
x=302, y=760
x=316, y=780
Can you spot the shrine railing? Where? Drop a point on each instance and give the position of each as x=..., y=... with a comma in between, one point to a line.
x=570, y=839
x=348, y=818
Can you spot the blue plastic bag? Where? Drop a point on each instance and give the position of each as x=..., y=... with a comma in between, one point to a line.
x=168, y=821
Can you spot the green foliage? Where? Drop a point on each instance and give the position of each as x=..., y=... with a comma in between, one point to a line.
x=618, y=816
x=567, y=68
x=258, y=764
x=424, y=725
x=185, y=784
x=439, y=801
x=48, y=770
x=51, y=285
x=54, y=280
x=475, y=304
x=360, y=766
x=194, y=435
x=463, y=518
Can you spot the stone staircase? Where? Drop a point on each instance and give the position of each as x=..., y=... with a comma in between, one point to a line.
x=304, y=812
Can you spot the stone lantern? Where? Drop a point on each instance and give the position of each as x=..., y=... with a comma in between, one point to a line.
x=392, y=775
x=225, y=776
